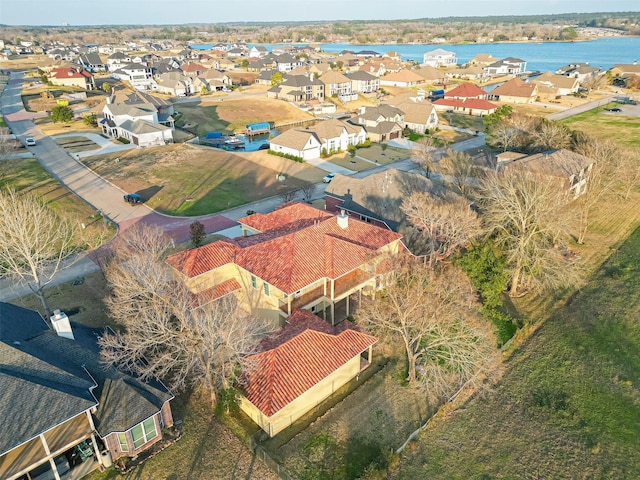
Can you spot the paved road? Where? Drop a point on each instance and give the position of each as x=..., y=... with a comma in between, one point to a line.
x=570, y=112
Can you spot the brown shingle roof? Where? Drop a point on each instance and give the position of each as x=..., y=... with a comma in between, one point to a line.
x=515, y=88
x=305, y=352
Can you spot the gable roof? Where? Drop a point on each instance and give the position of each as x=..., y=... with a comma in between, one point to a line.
x=332, y=77
x=557, y=163
x=298, y=249
x=301, y=355
x=558, y=81
x=407, y=76
x=515, y=88
x=294, y=138
x=466, y=90
x=472, y=103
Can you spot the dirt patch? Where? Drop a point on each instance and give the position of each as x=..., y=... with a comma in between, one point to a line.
x=240, y=111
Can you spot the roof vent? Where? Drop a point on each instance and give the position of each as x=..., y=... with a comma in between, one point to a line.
x=343, y=219
x=61, y=324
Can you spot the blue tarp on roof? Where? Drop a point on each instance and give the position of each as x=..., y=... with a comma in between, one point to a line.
x=214, y=134
x=258, y=126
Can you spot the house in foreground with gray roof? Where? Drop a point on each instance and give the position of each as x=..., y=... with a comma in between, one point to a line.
x=62, y=411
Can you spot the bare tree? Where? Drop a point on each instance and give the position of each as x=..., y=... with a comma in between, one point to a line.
x=288, y=195
x=434, y=314
x=308, y=190
x=506, y=134
x=7, y=147
x=424, y=155
x=36, y=243
x=460, y=170
x=594, y=82
x=628, y=174
x=599, y=179
x=550, y=135
x=447, y=223
x=169, y=332
x=525, y=214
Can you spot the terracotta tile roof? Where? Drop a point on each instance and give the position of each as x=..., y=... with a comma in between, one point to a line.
x=473, y=103
x=290, y=213
x=215, y=292
x=295, y=254
x=466, y=90
x=301, y=355
x=69, y=73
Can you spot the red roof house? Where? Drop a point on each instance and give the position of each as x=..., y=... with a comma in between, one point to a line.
x=303, y=364
x=470, y=106
x=465, y=91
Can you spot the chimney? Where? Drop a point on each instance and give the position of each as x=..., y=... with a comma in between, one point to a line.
x=343, y=220
x=61, y=324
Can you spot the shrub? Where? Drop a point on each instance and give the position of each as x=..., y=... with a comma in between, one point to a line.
x=61, y=114
x=286, y=155
x=197, y=233
x=126, y=141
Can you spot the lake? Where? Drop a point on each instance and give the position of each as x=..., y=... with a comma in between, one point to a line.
x=602, y=52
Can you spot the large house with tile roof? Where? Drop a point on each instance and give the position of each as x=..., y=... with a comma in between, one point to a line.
x=294, y=257
x=466, y=91
x=470, y=106
x=61, y=409
x=299, y=367
x=72, y=77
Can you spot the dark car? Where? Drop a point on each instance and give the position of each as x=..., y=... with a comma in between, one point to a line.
x=132, y=198
x=614, y=109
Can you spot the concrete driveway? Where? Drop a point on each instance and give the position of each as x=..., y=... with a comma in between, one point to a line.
x=106, y=145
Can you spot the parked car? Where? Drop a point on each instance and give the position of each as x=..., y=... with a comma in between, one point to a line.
x=29, y=142
x=327, y=178
x=614, y=109
x=132, y=198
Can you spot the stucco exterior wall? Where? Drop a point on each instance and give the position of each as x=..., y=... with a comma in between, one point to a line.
x=305, y=402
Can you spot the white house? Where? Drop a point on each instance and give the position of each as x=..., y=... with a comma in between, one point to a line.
x=299, y=143
x=138, y=123
x=138, y=75
x=439, y=58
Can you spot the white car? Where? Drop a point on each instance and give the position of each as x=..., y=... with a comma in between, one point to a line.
x=327, y=178
x=29, y=142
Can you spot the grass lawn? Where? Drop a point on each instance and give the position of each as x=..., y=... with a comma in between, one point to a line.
x=568, y=406
x=76, y=144
x=190, y=180
x=208, y=450
x=27, y=175
x=356, y=164
x=622, y=129
x=383, y=157
x=470, y=122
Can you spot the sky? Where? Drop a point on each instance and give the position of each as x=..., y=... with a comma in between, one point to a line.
x=163, y=12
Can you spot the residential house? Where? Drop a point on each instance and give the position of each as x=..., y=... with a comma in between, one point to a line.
x=515, y=91
x=419, y=117
x=474, y=72
x=363, y=82
x=403, y=78
x=265, y=77
x=91, y=62
x=138, y=75
x=258, y=51
x=439, y=58
x=376, y=199
x=303, y=144
x=116, y=60
x=175, y=83
x=581, y=71
x=467, y=106
x=72, y=77
x=384, y=131
x=507, y=66
x=466, y=91
x=192, y=69
x=286, y=63
x=298, y=88
x=482, y=60
x=569, y=168
x=372, y=116
x=62, y=410
x=138, y=123
x=338, y=85
x=563, y=85
x=294, y=257
x=381, y=66
x=623, y=70
x=431, y=75
x=336, y=135
x=299, y=367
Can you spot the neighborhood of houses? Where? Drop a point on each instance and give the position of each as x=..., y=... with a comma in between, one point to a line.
x=303, y=269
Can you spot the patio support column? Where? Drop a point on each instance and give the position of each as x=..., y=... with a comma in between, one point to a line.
x=347, y=304
x=96, y=450
x=52, y=464
x=333, y=304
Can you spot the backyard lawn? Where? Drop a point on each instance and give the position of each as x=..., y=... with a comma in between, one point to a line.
x=568, y=406
x=617, y=127
x=191, y=180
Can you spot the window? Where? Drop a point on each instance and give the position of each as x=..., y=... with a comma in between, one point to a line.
x=265, y=287
x=122, y=439
x=254, y=283
x=144, y=432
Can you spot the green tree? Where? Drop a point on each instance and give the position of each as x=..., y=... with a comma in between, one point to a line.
x=276, y=78
x=61, y=114
x=106, y=87
x=197, y=233
x=91, y=119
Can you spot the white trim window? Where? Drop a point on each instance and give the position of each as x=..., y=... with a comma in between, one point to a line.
x=144, y=432
x=122, y=441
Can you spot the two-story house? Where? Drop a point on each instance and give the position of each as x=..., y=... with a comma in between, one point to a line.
x=439, y=58
x=294, y=257
x=138, y=123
